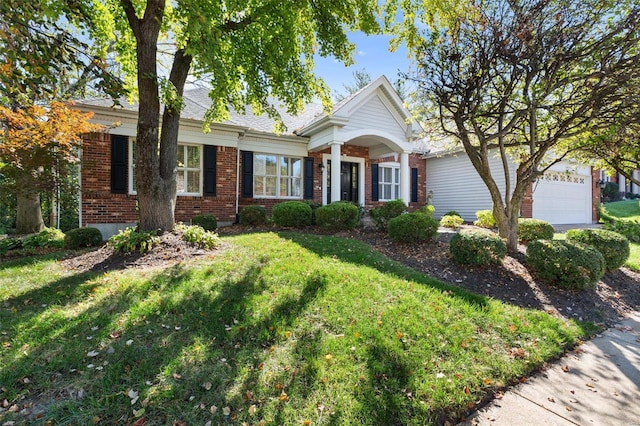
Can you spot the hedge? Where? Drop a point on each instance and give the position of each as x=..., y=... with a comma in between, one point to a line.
x=477, y=247
x=614, y=247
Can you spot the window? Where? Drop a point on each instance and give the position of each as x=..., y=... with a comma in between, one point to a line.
x=189, y=169
x=277, y=176
x=388, y=182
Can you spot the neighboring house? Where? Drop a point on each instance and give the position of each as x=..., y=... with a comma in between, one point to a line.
x=363, y=151
x=566, y=194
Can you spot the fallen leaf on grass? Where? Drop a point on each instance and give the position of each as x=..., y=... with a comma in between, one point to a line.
x=565, y=368
x=207, y=385
x=226, y=411
x=93, y=354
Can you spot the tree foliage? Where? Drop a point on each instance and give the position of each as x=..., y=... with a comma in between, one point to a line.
x=35, y=143
x=523, y=79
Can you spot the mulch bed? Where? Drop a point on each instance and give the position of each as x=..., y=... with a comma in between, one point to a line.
x=615, y=295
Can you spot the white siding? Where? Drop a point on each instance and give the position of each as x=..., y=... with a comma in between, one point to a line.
x=373, y=114
x=456, y=185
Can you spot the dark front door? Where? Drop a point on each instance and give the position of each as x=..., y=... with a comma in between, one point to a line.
x=348, y=182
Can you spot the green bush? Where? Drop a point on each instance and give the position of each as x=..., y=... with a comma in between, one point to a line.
x=82, y=237
x=314, y=208
x=338, y=215
x=451, y=221
x=614, y=247
x=48, y=237
x=485, y=219
x=129, y=240
x=207, y=221
x=452, y=213
x=7, y=244
x=253, y=216
x=412, y=228
x=295, y=214
x=628, y=228
x=567, y=264
x=427, y=209
x=477, y=247
x=198, y=236
x=383, y=214
x=534, y=229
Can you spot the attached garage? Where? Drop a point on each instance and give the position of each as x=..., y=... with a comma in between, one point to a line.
x=563, y=196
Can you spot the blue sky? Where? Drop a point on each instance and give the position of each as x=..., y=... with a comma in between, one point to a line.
x=371, y=54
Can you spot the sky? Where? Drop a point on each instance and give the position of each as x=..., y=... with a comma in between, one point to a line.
x=371, y=54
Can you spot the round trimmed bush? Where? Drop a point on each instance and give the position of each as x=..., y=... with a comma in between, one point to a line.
x=534, y=229
x=451, y=221
x=338, y=215
x=567, y=264
x=477, y=247
x=412, y=228
x=206, y=221
x=82, y=237
x=295, y=214
x=485, y=219
x=253, y=216
x=383, y=214
x=614, y=247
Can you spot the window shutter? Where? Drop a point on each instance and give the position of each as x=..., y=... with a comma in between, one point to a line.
x=209, y=172
x=119, y=160
x=414, y=185
x=308, y=178
x=374, y=182
x=247, y=174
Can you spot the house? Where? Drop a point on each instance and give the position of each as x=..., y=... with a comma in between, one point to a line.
x=363, y=151
x=370, y=138
x=567, y=193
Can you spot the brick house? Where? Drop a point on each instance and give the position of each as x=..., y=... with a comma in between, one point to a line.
x=363, y=151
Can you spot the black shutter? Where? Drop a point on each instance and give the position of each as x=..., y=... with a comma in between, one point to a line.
x=414, y=185
x=247, y=174
x=308, y=178
x=210, y=170
x=119, y=160
x=374, y=182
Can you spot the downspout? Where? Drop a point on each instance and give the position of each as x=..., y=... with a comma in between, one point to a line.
x=240, y=137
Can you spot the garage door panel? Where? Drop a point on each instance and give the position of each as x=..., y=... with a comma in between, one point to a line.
x=562, y=198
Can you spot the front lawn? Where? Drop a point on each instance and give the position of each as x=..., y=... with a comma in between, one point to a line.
x=275, y=329
x=625, y=210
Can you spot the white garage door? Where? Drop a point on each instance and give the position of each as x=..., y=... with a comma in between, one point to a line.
x=562, y=198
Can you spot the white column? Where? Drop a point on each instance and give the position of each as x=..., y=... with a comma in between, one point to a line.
x=622, y=184
x=636, y=176
x=405, y=178
x=335, y=171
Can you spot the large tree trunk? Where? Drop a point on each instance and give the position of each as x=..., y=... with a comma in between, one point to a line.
x=29, y=213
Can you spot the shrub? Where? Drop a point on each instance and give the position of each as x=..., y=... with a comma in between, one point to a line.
x=534, y=229
x=314, y=208
x=207, y=221
x=7, y=244
x=614, y=247
x=567, y=264
x=198, y=236
x=610, y=192
x=383, y=214
x=427, y=209
x=628, y=228
x=294, y=214
x=82, y=237
x=412, y=227
x=477, y=247
x=451, y=221
x=129, y=240
x=452, y=213
x=485, y=219
x=253, y=216
x=48, y=237
x=338, y=215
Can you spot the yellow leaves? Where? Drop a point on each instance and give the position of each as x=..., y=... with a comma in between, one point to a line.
x=328, y=357
x=399, y=334
x=283, y=397
x=513, y=328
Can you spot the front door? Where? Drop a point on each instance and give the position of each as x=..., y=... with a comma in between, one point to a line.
x=348, y=181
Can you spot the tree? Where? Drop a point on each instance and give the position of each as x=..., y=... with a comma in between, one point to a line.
x=250, y=51
x=34, y=144
x=523, y=78
x=361, y=78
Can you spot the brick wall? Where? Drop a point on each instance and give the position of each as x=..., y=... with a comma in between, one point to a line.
x=101, y=206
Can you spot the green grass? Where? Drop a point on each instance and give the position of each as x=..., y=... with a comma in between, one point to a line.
x=277, y=329
x=626, y=210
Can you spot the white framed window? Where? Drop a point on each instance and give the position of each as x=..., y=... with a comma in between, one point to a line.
x=188, y=165
x=388, y=181
x=277, y=176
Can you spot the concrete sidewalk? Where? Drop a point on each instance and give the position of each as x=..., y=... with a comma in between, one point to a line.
x=598, y=383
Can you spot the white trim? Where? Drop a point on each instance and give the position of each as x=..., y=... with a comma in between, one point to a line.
x=278, y=177
x=393, y=165
x=187, y=169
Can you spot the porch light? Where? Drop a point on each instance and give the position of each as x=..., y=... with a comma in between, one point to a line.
x=321, y=167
